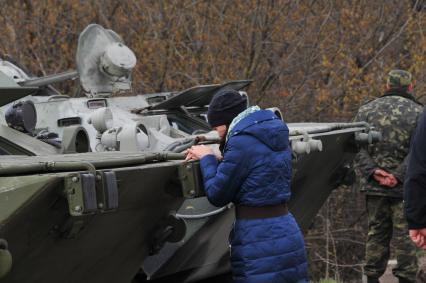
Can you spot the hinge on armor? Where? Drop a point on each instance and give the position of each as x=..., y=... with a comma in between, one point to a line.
x=191, y=180
x=80, y=189
x=107, y=191
x=89, y=194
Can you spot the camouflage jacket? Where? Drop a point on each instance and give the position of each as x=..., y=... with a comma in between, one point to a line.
x=395, y=116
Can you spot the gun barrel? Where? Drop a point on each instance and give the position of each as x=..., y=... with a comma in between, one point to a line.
x=50, y=79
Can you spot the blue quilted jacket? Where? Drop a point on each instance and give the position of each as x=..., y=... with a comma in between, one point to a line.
x=256, y=171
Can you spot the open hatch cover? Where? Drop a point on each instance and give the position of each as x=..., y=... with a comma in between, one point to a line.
x=198, y=96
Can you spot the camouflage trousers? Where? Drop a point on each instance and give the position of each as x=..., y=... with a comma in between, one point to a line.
x=386, y=218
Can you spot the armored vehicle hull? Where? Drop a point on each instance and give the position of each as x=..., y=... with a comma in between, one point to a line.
x=50, y=242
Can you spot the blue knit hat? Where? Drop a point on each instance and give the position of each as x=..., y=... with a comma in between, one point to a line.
x=225, y=106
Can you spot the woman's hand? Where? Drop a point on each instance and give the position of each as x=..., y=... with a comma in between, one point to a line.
x=197, y=152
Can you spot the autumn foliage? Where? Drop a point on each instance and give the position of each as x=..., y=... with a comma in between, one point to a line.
x=318, y=60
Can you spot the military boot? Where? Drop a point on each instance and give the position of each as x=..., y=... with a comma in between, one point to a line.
x=372, y=280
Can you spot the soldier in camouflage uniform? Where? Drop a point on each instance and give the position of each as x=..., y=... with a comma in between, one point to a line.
x=381, y=169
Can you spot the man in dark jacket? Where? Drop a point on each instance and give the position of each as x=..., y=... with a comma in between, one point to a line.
x=415, y=186
x=255, y=173
x=381, y=168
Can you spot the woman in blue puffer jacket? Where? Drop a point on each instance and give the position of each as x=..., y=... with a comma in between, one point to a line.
x=255, y=173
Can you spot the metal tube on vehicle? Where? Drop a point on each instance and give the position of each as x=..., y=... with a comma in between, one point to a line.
x=49, y=166
x=55, y=166
x=202, y=215
x=339, y=126
x=47, y=80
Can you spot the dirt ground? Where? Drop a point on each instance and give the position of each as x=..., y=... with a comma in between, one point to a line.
x=386, y=278
x=389, y=278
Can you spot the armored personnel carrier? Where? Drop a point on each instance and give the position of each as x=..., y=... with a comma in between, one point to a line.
x=93, y=188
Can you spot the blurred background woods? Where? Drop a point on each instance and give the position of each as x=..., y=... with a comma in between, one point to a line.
x=318, y=60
